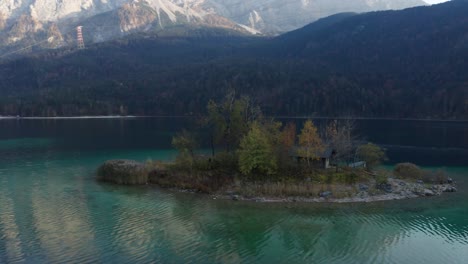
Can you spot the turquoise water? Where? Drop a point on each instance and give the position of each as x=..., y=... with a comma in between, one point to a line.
x=53, y=211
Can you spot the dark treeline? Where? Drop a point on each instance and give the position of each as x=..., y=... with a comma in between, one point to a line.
x=405, y=64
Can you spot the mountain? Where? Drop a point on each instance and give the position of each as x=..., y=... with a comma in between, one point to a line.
x=43, y=24
x=400, y=64
x=279, y=16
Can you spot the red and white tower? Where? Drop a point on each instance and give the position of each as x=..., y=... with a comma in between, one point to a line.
x=79, y=37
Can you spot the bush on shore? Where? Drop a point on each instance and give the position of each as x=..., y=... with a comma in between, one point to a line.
x=125, y=172
x=408, y=171
x=413, y=172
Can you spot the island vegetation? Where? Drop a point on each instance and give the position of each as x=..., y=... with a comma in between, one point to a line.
x=255, y=157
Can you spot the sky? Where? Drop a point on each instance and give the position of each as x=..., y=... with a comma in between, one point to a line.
x=435, y=1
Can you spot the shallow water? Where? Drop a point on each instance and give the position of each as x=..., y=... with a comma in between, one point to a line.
x=53, y=211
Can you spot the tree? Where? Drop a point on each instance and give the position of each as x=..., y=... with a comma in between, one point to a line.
x=186, y=144
x=256, y=154
x=339, y=136
x=287, y=141
x=309, y=142
x=230, y=119
x=288, y=136
x=372, y=154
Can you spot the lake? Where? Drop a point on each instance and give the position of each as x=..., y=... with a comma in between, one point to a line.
x=53, y=211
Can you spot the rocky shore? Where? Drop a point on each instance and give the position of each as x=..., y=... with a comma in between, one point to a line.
x=134, y=173
x=395, y=189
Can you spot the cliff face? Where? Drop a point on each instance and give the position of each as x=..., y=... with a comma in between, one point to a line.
x=53, y=10
x=54, y=37
x=133, y=16
x=24, y=27
x=2, y=21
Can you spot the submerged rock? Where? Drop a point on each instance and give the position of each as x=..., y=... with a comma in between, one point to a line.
x=126, y=172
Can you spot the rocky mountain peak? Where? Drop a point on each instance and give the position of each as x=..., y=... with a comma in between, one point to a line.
x=24, y=22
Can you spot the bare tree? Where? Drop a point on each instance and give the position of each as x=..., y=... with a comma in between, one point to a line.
x=341, y=139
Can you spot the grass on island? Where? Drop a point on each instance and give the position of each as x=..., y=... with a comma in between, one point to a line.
x=124, y=172
x=215, y=176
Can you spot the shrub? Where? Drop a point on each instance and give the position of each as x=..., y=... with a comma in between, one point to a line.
x=372, y=154
x=408, y=171
x=226, y=161
x=126, y=172
x=381, y=179
x=438, y=177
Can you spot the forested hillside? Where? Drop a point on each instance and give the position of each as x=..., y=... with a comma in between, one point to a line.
x=406, y=64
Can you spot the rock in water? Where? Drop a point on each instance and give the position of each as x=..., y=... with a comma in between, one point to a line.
x=127, y=172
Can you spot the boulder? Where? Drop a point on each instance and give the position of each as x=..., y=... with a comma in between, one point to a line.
x=450, y=189
x=386, y=187
x=363, y=187
x=428, y=192
x=126, y=172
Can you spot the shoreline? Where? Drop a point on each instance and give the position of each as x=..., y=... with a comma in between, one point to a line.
x=186, y=116
x=67, y=117
x=217, y=185
x=414, y=190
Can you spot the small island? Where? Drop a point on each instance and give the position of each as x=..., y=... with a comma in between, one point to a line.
x=256, y=158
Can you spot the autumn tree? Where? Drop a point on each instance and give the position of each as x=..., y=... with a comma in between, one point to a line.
x=287, y=141
x=256, y=152
x=310, y=143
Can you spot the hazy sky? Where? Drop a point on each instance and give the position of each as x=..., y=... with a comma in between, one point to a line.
x=435, y=1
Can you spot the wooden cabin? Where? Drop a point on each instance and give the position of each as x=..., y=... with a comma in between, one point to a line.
x=322, y=160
